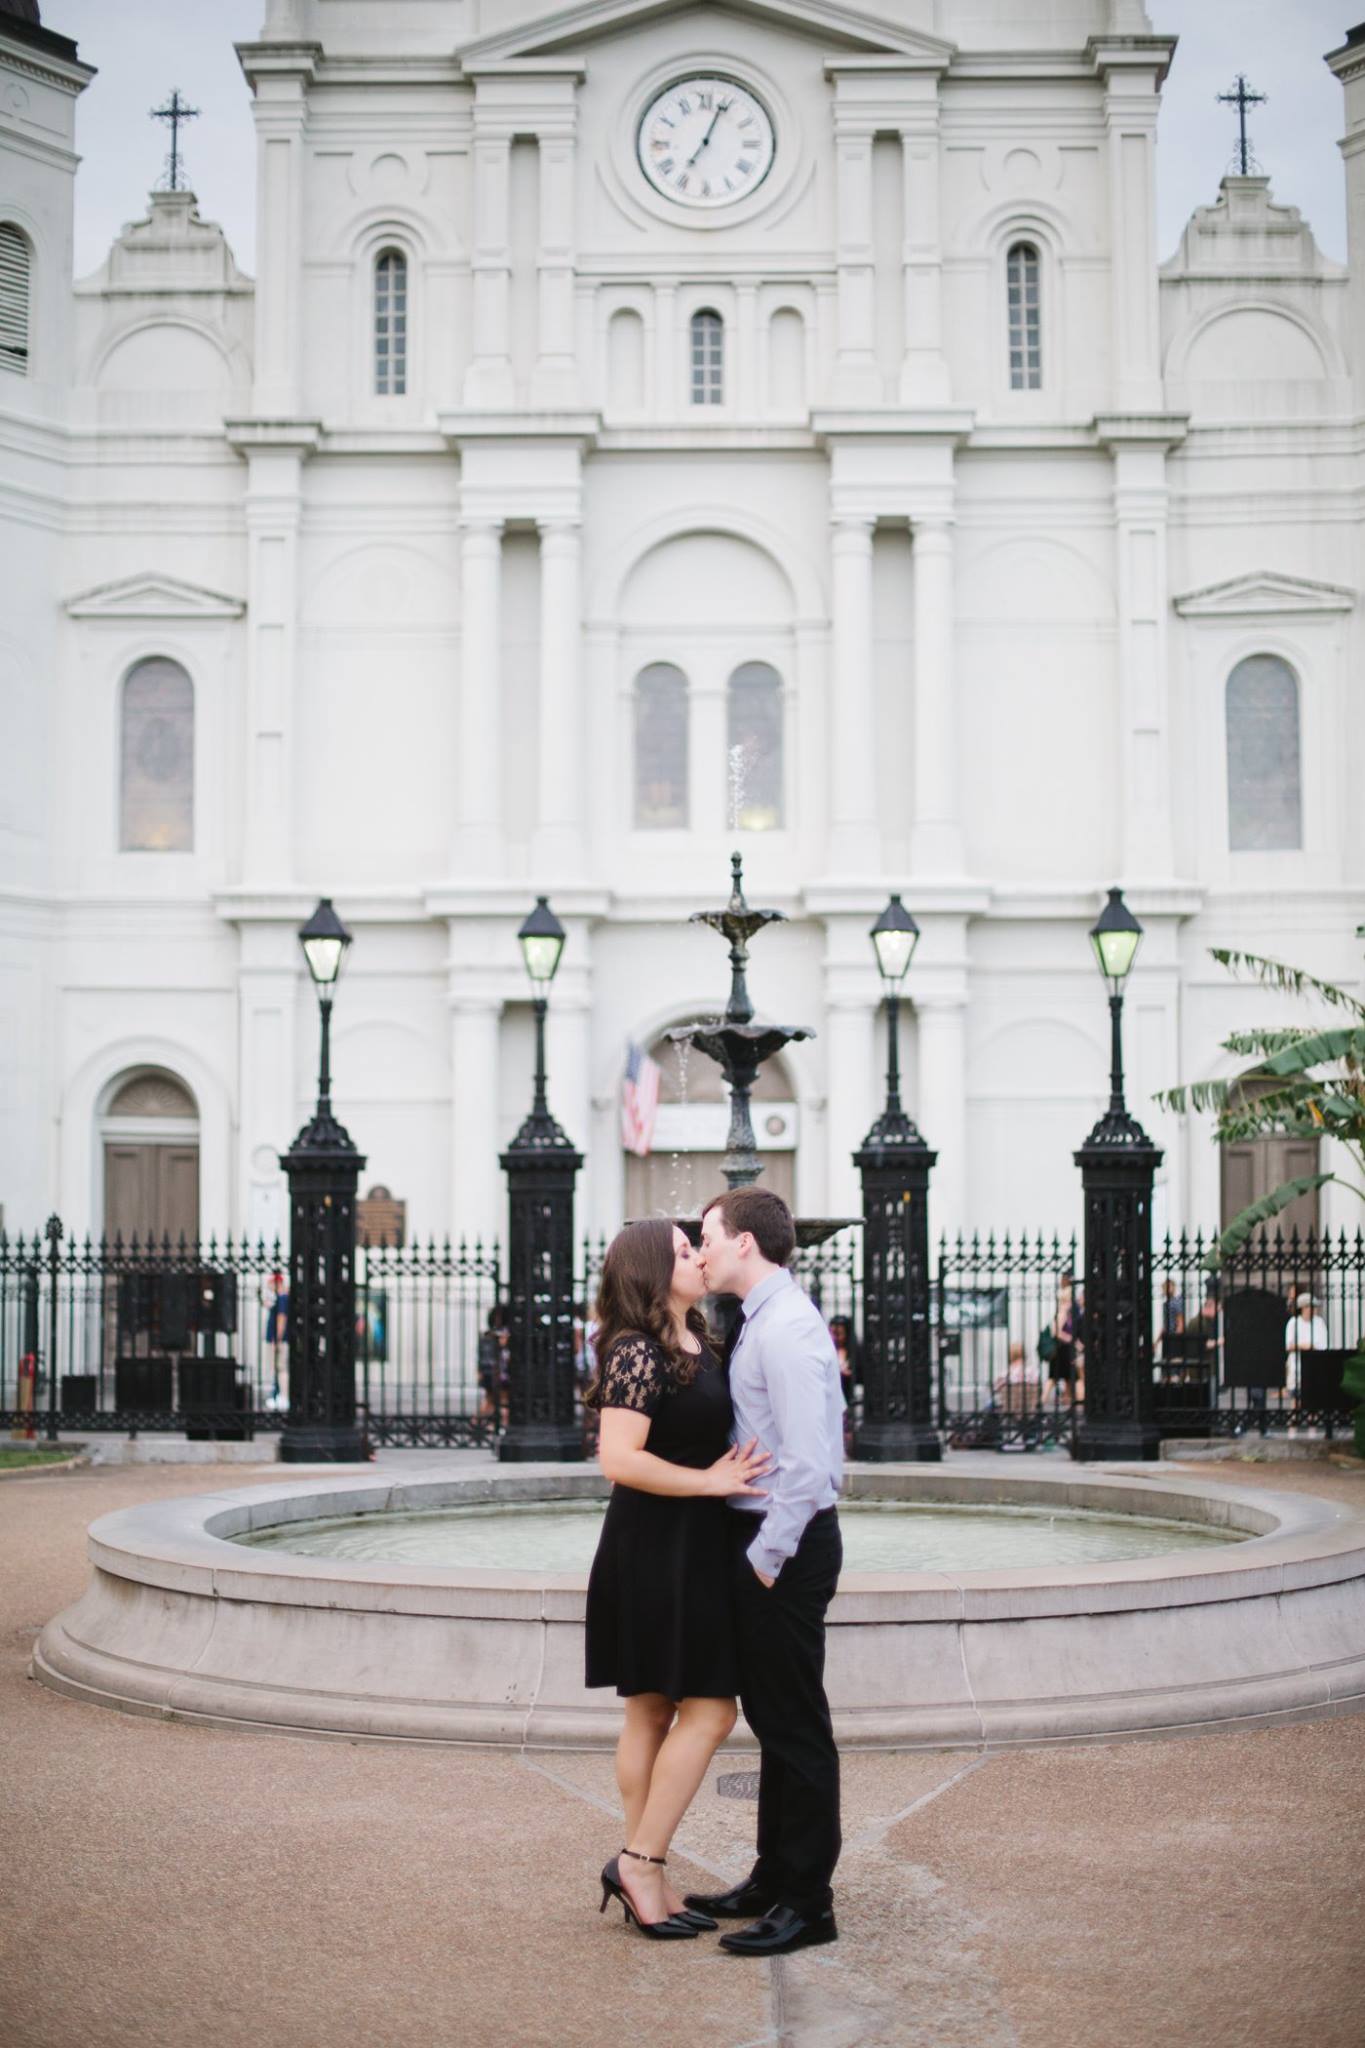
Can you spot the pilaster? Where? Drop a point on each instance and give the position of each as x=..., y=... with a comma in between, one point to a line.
x=280, y=75
x=1132, y=68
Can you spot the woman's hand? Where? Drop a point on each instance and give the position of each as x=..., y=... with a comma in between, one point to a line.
x=736, y=1471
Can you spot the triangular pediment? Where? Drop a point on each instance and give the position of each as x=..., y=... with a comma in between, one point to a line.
x=560, y=29
x=153, y=597
x=1261, y=594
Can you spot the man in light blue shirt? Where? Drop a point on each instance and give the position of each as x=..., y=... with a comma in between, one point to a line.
x=784, y=1383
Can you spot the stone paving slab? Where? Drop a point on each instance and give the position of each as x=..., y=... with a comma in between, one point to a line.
x=166, y=1884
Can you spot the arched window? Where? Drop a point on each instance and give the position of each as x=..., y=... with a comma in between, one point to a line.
x=708, y=358
x=1264, y=807
x=660, y=747
x=754, y=756
x=15, y=268
x=625, y=361
x=391, y=323
x=1025, y=318
x=156, y=780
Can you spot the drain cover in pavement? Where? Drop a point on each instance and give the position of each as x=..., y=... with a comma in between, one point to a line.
x=738, y=1785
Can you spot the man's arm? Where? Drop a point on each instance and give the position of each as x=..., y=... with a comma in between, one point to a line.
x=797, y=1384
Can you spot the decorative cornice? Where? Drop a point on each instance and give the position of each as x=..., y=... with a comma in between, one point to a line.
x=1151, y=429
x=246, y=434
x=153, y=596
x=594, y=17
x=1261, y=594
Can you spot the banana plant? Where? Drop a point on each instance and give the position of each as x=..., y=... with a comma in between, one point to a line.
x=1302, y=1081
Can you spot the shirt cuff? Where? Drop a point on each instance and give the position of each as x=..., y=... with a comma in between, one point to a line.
x=764, y=1558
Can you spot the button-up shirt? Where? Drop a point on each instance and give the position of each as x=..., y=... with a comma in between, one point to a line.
x=784, y=1382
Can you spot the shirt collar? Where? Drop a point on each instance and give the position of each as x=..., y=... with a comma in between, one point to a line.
x=765, y=1290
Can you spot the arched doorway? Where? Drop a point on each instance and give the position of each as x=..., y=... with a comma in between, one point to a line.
x=150, y=1137
x=683, y=1168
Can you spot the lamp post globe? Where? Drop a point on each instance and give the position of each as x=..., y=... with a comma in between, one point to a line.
x=323, y=1170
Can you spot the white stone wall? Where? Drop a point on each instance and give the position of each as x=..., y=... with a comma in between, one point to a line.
x=1003, y=619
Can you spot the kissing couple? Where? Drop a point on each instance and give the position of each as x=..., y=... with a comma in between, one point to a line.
x=718, y=1558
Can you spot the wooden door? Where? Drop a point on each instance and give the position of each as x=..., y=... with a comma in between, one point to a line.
x=1252, y=1169
x=151, y=1191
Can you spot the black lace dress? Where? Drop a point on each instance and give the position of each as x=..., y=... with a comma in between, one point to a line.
x=659, y=1615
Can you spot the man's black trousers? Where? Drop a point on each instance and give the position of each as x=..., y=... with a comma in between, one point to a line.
x=782, y=1692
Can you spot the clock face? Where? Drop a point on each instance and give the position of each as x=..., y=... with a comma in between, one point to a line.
x=706, y=142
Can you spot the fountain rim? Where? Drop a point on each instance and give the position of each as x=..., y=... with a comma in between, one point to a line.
x=1292, y=1542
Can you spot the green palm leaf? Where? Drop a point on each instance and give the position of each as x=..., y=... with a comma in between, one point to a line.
x=1291, y=981
x=1242, y=1226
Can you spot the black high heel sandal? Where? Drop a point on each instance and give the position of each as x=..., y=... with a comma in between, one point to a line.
x=671, y=1928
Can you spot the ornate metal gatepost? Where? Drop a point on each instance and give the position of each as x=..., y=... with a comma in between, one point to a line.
x=323, y=1169
x=895, y=1162
x=541, y=1165
x=1118, y=1162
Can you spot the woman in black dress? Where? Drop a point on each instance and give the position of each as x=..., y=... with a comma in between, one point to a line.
x=660, y=1627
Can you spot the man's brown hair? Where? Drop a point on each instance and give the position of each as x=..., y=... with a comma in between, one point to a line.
x=763, y=1214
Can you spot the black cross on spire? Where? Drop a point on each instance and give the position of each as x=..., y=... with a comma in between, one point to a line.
x=1242, y=97
x=175, y=111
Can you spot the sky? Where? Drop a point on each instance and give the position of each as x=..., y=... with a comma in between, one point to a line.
x=144, y=47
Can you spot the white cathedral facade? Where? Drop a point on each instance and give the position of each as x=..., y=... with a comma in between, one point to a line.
x=653, y=430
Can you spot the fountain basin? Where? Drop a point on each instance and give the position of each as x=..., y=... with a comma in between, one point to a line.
x=181, y=1620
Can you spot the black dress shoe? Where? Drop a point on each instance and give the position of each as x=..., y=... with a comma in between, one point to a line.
x=739, y=1903
x=781, y=1931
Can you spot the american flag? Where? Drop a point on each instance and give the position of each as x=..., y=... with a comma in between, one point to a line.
x=639, y=1100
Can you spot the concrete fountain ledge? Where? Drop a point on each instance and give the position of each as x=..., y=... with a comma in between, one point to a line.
x=179, y=1622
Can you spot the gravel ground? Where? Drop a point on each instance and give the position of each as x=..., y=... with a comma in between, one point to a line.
x=167, y=1884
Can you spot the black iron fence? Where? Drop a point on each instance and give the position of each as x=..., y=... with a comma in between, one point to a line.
x=102, y=1336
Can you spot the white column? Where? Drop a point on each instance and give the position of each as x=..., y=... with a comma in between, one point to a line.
x=936, y=836
x=924, y=372
x=268, y=981
x=1130, y=109
x=559, y=847
x=857, y=379
x=1148, y=849
x=668, y=397
x=267, y=853
x=852, y=797
x=478, y=1202
x=940, y=1106
x=280, y=110
x=554, y=381
x=850, y=1070
x=489, y=381
x=478, y=823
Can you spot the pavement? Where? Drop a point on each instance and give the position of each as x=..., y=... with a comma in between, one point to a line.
x=173, y=1886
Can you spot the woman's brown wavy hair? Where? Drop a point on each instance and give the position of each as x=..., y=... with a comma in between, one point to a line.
x=632, y=1300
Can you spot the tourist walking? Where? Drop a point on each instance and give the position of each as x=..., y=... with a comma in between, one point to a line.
x=784, y=1385
x=660, y=1613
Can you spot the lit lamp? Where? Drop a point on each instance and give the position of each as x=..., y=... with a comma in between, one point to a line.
x=1116, y=937
x=542, y=941
x=324, y=940
x=894, y=936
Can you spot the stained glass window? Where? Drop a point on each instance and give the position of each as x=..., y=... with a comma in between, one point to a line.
x=157, y=766
x=660, y=747
x=1264, y=805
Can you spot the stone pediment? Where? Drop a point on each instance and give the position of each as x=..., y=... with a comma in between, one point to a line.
x=556, y=30
x=1260, y=595
x=153, y=597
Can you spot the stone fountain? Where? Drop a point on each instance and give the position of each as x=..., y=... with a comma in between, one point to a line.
x=739, y=1046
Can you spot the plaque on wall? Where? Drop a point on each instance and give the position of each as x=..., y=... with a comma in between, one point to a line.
x=380, y=1219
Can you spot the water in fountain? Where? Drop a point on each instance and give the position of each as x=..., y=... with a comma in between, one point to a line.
x=736, y=767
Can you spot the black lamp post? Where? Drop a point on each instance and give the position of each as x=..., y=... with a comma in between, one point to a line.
x=323, y=1169
x=541, y=1166
x=1118, y=1162
x=894, y=1162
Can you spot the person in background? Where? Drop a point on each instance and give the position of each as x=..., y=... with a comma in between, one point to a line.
x=1306, y=1330
x=493, y=1347
x=841, y=1336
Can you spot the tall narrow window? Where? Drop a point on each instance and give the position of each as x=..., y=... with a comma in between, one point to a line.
x=391, y=324
x=156, y=781
x=1264, y=806
x=660, y=747
x=1025, y=321
x=15, y=266
x=708, y=358
x=754, y=763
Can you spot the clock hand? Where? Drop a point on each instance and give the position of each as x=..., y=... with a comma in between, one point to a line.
x=705, y=138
